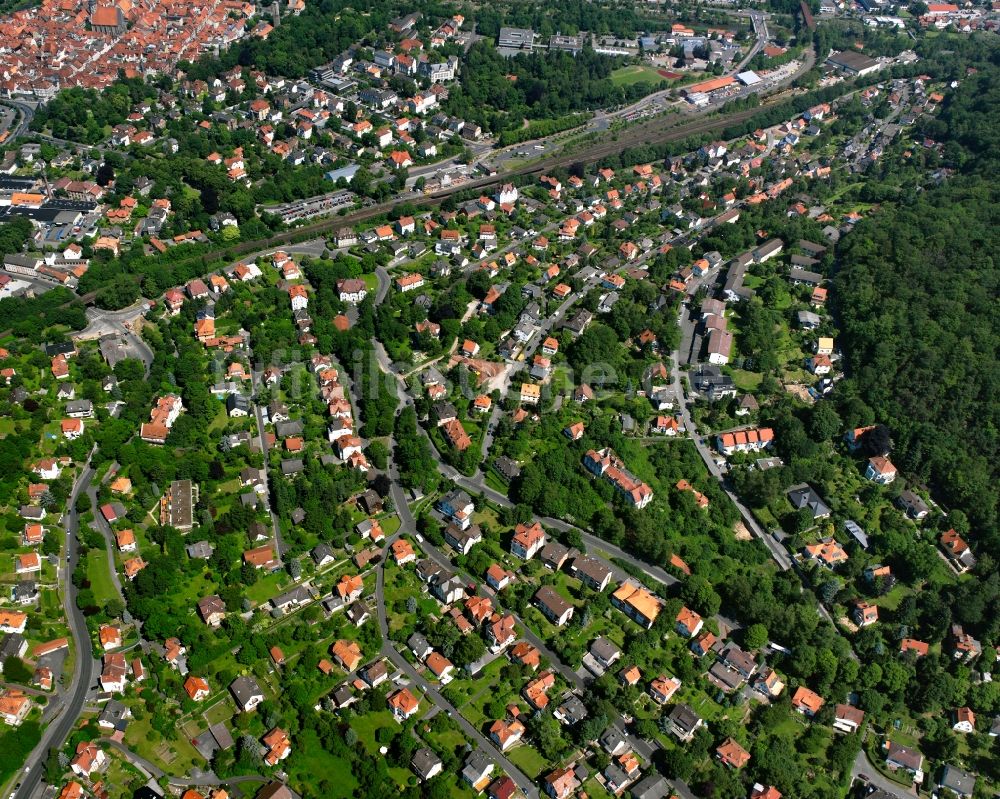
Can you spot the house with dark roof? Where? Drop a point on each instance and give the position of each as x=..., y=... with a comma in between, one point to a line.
x=683, y=722
x=425, y=763
x=553, y=606
x=913, y=505
x=571, y=711
x=960, y=782
x=591, y=572
x=655, y=786
x=804, y=496
x=477, y=770
x=246, y=692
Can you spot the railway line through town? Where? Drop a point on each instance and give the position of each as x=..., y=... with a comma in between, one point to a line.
x=648, y=133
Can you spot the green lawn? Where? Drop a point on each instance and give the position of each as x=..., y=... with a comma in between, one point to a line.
x=366, y=727
x=267, y=587
x=310, y=761
x=176, y=756
x=390, y=524
x=626, y=76
x=100, y=577
x=891, y=600
x=595, y=790
x=746, y=381
x=448, y=740
x=528, y=759
x=220, y=420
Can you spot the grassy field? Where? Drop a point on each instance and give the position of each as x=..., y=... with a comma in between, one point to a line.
x=390, y=524
x=268, y=586
x=528, y=759
x=450, y=739
x=368, y=725
x=100, y=577
x=176, y=756
x=310, y=759
x=746, y=381
x=626, y=76
x=595, y=790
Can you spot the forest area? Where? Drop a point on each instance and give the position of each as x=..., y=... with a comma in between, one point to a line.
x=548, y=86
x=916, y=296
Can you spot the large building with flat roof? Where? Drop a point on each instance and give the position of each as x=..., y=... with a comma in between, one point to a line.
x=853, y=63
x=514, y=40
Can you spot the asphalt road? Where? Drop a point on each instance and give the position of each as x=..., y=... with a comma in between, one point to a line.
x=101, y=322
x=258, y=409
x=778, y=552
x=862, y=765
x=84, y=667
x=39, y=283
x=383, y=284
x=646, y=749
x=26, y=112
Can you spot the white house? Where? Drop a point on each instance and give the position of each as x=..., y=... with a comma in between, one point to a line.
x=352, y=290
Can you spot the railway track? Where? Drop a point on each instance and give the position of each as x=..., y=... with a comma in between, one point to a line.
x=648, y=133
x=645, y=134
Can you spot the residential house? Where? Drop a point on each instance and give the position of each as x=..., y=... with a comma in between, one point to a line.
x=913, y=505
x=958, y=781
x=403, y=704
x=864, y=613
x=476, y=770
x=88, y=759
x=591, y=572
x=498, y=577
x=683, y=722
x=426, y=764
x=506, y=734
x=880, y=470
x=212, y=610
x=731, y=754
x=957, y=550
x=802, y=496
x=964, y=720
x=807, y=702
x=527, y=540
x=848, y=718
x=561, y=783
x=553, y=606
x=663, y=688
x=637, y=603
x=688, y=623
x=904, y=758
x=827, y=553
x=246, y=692
x=747, y=440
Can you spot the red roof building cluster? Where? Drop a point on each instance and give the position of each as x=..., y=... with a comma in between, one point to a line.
x=59, y=43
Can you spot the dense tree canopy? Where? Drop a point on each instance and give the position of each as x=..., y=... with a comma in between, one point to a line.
x=917, y=292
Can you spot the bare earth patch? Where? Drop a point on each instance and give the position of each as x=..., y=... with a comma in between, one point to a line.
x=799, y=391
x=741, y=532
x=847, y=624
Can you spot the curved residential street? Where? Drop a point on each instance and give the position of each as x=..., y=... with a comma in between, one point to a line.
x=72, y=695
